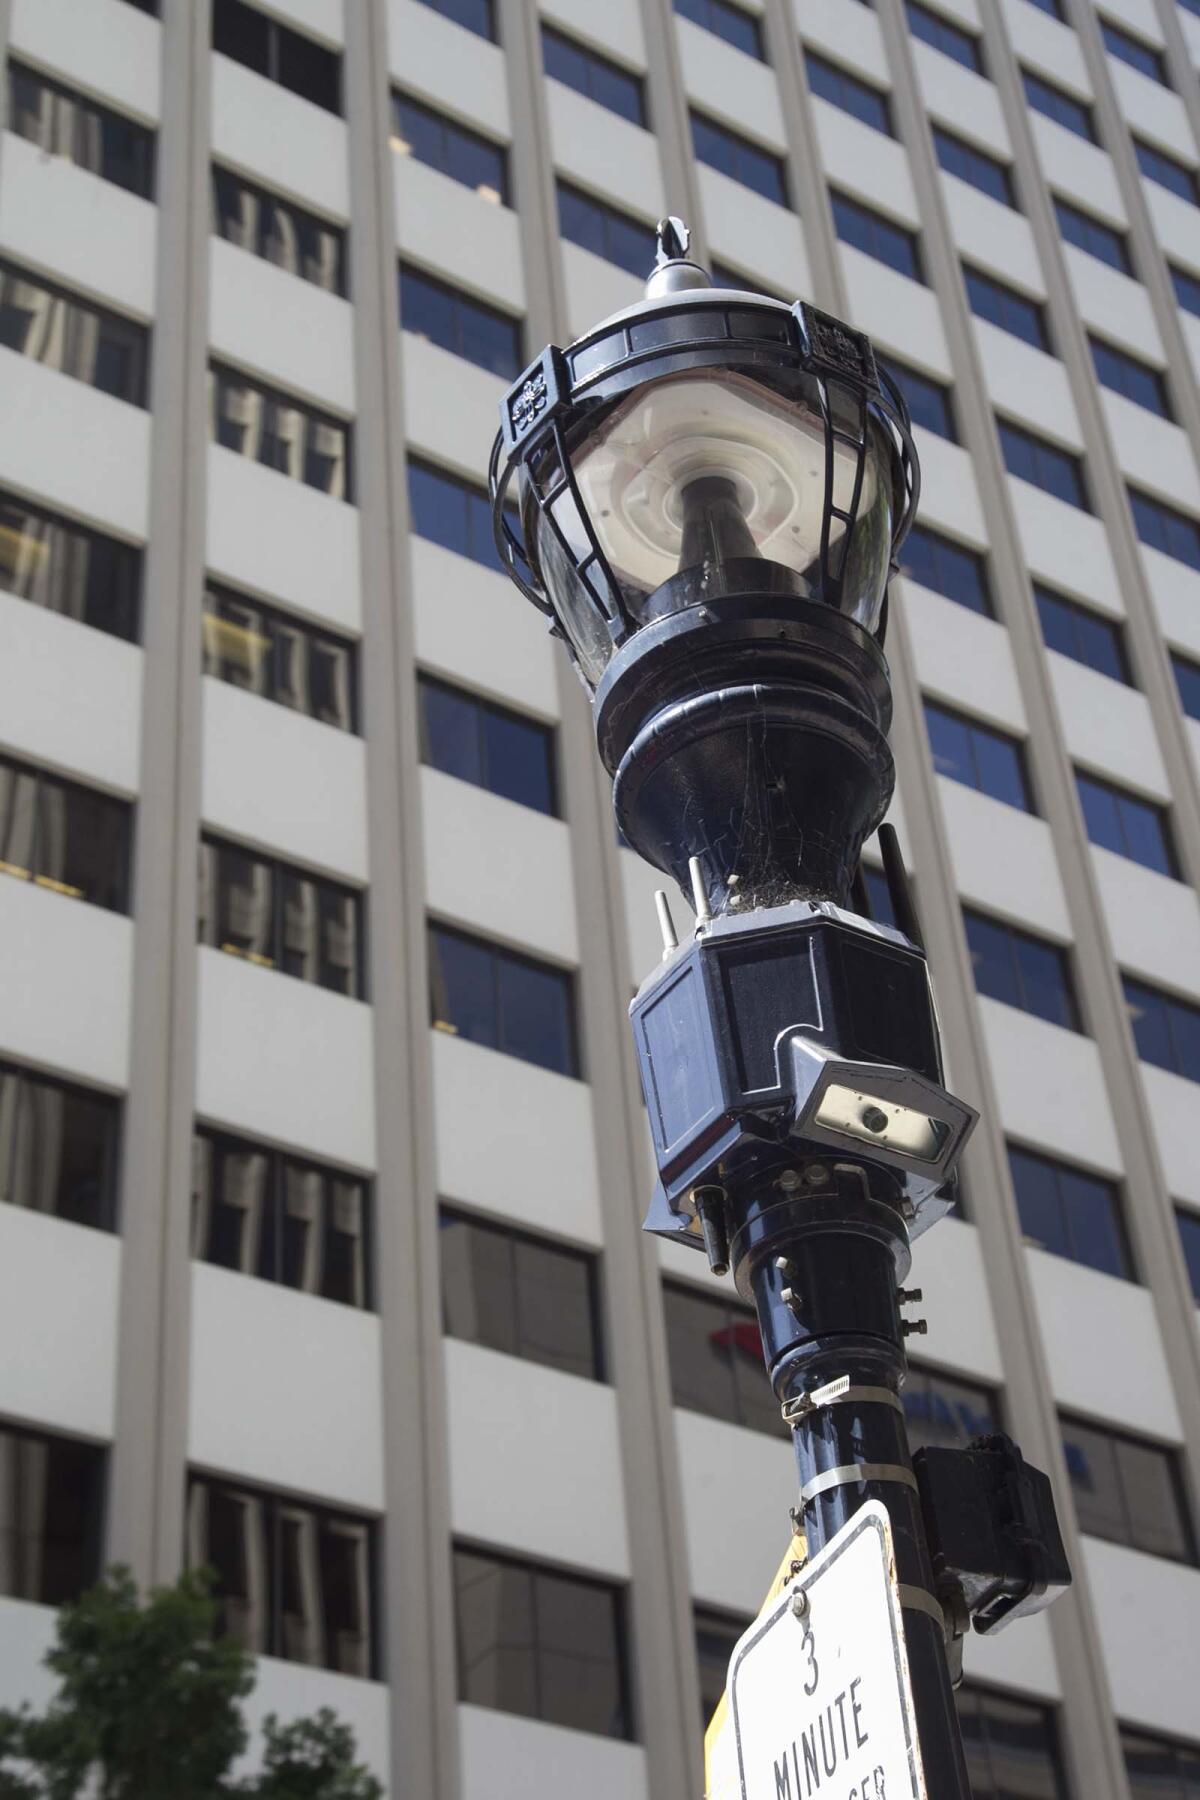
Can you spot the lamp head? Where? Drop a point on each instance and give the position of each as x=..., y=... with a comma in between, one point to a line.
x=711, y=487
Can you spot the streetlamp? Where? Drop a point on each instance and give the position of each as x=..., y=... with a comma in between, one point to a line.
x=711, y=488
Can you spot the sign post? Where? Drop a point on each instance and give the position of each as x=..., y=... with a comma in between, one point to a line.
x=819, y=1688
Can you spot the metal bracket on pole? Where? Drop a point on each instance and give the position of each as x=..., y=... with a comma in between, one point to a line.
x=855, y=1474
x=837, y=1393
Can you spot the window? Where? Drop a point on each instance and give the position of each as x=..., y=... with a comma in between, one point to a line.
x=1088, y=234
x=1070, y=1213
x=537, y=1642
x=280, y=918
x=278, y=231
x=466, y=157
x=1129, y=376
x=1156, y=165
x=1021, y=970
x=1157, y=1768
x=505, y=1001
x=297, y=63
x=1032, y=459
x=593, y=75
x=1063, y=108
x=1119, y=821
x=741, y=160
x=73, y=336
x=879, y=897
x=50, y=1539
x=741, y=29
x=1189, y=1239
x=272, y=428
x=61, y=836
x=989, y=761
x=716, y=1359
x=1127, y=1491
x=1166, y=1030
x=929, y=402
x=279, y=1217
x=717, y=1634
x=293, y=1580
x=947, y=568
x=1076, y=631
x=1005, y=308
x=1160, y=526
x=93, y=137
x=725, y=277
x=58, y=1148
x=451, y=512
x=1187, y=289
x=1134, y=51
x=1192, y=6
x=81, y=574
x=945, y=1412
x=478, y=16
x=146, y=6
x=488, y=745
x=266, y=652
x=480, y=334
x=1053, y=8
x=830, y=82
x=1010, y=1745
x=984, y=172
x=876, y=236
x=520, y=1294
x=1187, y=680
x=950, y=39
x=603, y=230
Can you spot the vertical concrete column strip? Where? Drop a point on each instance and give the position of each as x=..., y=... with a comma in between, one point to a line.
x=146, y=1498
x=670, y=119
x=416, y=1591
x=664, y=1666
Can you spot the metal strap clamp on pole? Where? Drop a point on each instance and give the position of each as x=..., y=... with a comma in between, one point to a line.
x=837, y=1393
x=853, y=1474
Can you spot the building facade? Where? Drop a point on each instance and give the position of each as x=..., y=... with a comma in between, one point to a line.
x=321, y=1149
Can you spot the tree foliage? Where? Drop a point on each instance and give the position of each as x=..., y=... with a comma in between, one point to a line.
x=148, y=1709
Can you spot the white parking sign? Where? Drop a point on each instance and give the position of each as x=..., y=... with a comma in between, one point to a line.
x=819, y=1686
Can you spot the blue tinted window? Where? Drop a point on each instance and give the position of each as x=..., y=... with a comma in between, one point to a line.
x=741, y=160
x=463, y=155
x=1135, y=52
x=736, y=27
x=1189, y=1238
x=467, y=328
x=1069, y=1213
x=605, y=231
x=987, y=760
x=1021, y=970
x=1187, y=680
x=1192, y=6
x=959, y=158
x=1063, y=108
x=1081, y=634
x=928, y=400
x=950, y=39
x=946, y=567
x=876, y=236
x=1127, y=1491
x=830, y=82
x=1005, y=307
x=1031, y=458
x=1156, y=165
x=478, y=16
x=601, y=80
x=507, y=1002
x=879, y=899
x=1120, y=822
x=1052, y=7
x=1166, y=1030
x=451, y=513
x=1160, y=526
x=1088, y=234
x=1127, y=375
x=1187, y=287
x=487, y=745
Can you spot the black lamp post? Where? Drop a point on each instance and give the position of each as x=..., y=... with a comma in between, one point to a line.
x=711, y=490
